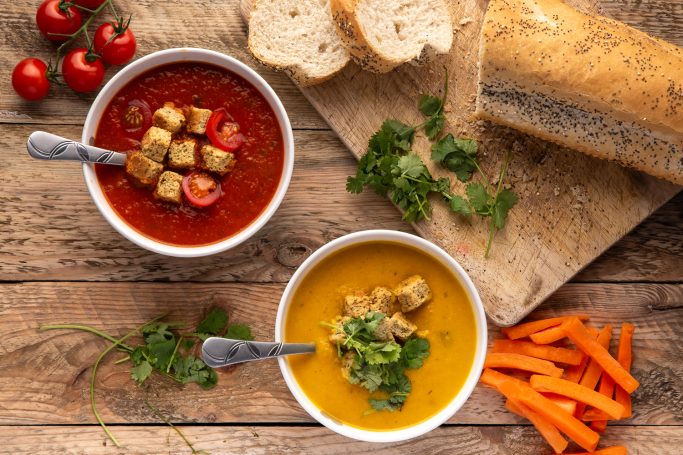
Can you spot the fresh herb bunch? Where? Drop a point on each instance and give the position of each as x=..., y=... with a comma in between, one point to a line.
x=391, y=169
x=459, y=155
x=379, y=366
x=165, y=351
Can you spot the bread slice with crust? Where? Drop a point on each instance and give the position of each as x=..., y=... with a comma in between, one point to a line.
x=383, y=34
x=297, y=36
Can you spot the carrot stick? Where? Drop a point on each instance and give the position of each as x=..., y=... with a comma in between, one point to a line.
x=574, y=372
x=592, y=374
x=606, y=389
x=625, y=358
x=577, y=332
x=522, y=362
x=614, y=450
x=563, y=402
x=549, y=431
x=548, y=336
x=594, y=414
x=577, y=392
x=526, y=329
x=562, y=355
x=522, y=392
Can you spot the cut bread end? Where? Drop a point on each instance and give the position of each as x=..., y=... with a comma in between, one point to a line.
x=383, y=34
x=298, y=37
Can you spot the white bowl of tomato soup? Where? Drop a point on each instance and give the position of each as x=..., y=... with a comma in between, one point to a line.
x=241, y=201
x=452, y=322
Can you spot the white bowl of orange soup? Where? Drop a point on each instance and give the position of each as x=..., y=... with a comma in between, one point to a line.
x=453, y=322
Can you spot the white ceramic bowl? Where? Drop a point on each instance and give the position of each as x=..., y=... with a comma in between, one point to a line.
x=143, y=65
x=479, y=318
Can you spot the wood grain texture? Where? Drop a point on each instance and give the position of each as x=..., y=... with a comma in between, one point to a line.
x=157, y=26
x=151, y=440
x=572, y=207
x=51, y=230
x=45, y=375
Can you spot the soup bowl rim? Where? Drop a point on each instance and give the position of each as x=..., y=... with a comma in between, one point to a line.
x=425, y=246
x=179, y=55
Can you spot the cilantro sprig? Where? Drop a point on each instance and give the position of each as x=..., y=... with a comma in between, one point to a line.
x=165, y=350
x=459, y=155
x=392, y=169
x=379, y=366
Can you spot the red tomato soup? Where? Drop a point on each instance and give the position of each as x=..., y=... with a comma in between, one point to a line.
x=247, y=190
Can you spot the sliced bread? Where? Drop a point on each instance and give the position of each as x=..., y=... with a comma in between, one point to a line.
x=297, y=36
x=382, y=34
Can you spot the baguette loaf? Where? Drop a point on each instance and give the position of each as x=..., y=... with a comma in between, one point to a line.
x=297, y=36
x=589, y=83
x=383, y=34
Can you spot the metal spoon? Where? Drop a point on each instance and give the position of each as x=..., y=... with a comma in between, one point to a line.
x=220, y=352
x=47, y=146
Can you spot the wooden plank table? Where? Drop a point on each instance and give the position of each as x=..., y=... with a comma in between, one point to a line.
x=61, y=262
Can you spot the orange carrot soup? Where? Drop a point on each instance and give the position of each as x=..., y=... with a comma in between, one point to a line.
x=334, y=288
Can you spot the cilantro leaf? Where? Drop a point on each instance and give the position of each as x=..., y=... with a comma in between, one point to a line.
x=213, y=323
x=505, y=200
x=459, y=205
x=239, y=332
x=479, y=198
x=457, y=155
x=141, y=371
x=414, y=352
x=434, y=125
x=429, y=105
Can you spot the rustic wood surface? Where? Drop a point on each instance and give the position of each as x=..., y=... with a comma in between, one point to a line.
x=61, y=262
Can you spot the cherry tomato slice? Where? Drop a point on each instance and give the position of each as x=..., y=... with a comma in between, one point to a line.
x=29, y=79
x=81, y=74
x=223, y=132
x=54, y=16
x=115, y=43
x=201, y=190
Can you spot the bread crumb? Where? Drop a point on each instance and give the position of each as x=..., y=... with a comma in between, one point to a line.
x=466, y=20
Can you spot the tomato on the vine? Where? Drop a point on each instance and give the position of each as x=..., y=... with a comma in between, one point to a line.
x=56, y=18
x=82, y=71
x=30, y=79
x=115, y=43
x=90, y=4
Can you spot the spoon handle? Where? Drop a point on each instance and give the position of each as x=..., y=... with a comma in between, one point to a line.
x=220, y=352
x=47, y=146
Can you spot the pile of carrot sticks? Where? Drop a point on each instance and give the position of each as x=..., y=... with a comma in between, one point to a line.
x=574, y=392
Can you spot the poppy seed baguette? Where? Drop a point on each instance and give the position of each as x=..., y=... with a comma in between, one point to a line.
x=586, y=82
x=383, y=34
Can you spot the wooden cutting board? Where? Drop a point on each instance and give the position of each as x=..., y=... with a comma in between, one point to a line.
x=571, y=207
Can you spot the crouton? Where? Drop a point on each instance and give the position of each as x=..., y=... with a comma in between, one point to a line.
x=155, y=143
x=347, y=364
x=169, y=118
x=142, y=170
x=381, y=300
x=412, y=292
x=217, y=160
x=181, y=153
x=401, y=327
x=383, y=330
x=197, y=120
x=169, y=187
x=356, y=306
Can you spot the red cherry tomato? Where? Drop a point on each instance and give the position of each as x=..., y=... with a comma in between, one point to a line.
x=115, y=43
x=223, y=132
x=81, y=72
x=29, y=79
x=137, y=118
x=90, y=4
x=201, y=190
x=54, y=16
